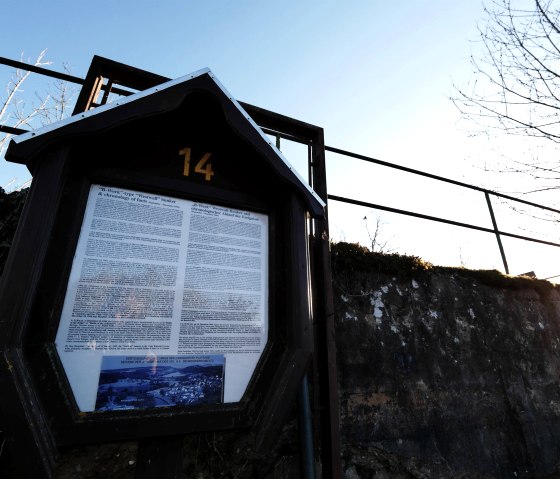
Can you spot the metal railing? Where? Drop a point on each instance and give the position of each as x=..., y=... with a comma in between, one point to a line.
x=487, y=193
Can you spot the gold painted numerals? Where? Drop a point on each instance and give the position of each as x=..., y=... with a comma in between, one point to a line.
x=203, y=166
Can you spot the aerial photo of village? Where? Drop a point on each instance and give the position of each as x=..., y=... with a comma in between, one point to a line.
x=150, y=384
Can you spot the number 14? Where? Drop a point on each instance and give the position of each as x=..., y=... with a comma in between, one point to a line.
x=202, y=167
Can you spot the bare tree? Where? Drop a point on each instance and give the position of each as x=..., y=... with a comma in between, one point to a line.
x=516, y=83
x=20, y=109
x=378, y=243
x=12, y=108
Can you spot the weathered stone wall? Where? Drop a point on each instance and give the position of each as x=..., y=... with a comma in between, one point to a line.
x=445, y=373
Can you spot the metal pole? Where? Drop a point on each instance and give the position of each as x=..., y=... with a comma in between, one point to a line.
x=325, y=353
x=306, y=431
x=496, y=231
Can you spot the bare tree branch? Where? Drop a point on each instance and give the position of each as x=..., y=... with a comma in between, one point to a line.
x=12, y=89
x=378, y=245
x=515, y=88
x=518, y=76
x=16, y=109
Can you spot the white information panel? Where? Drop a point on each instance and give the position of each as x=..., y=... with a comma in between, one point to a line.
x=167, y=302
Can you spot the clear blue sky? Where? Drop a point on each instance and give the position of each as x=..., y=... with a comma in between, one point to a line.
x=376, y=75
x=367, y=71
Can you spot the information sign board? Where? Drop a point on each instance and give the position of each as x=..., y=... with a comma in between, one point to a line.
x=155, y=288
x=166, y=304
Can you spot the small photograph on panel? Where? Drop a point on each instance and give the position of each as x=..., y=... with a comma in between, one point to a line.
x=151, y=381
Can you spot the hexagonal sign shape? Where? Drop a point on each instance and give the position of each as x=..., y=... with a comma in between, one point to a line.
x=159, y=280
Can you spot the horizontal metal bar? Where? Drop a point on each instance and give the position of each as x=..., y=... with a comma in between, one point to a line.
x=286, y=136
x=276, y=121
x=11, y=130
x=41, y=70
x=55, y=74
x=303, y=141
x=18, y=131
x=439, y=220
x=435, y=177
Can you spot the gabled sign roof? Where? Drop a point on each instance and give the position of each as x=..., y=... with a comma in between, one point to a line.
x=168, y=96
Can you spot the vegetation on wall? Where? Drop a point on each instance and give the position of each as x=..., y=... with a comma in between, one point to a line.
x=352, y=257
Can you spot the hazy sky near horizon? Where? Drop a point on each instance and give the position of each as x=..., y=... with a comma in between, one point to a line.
x=377, y=76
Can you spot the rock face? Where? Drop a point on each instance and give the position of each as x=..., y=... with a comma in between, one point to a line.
x=445, y=373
